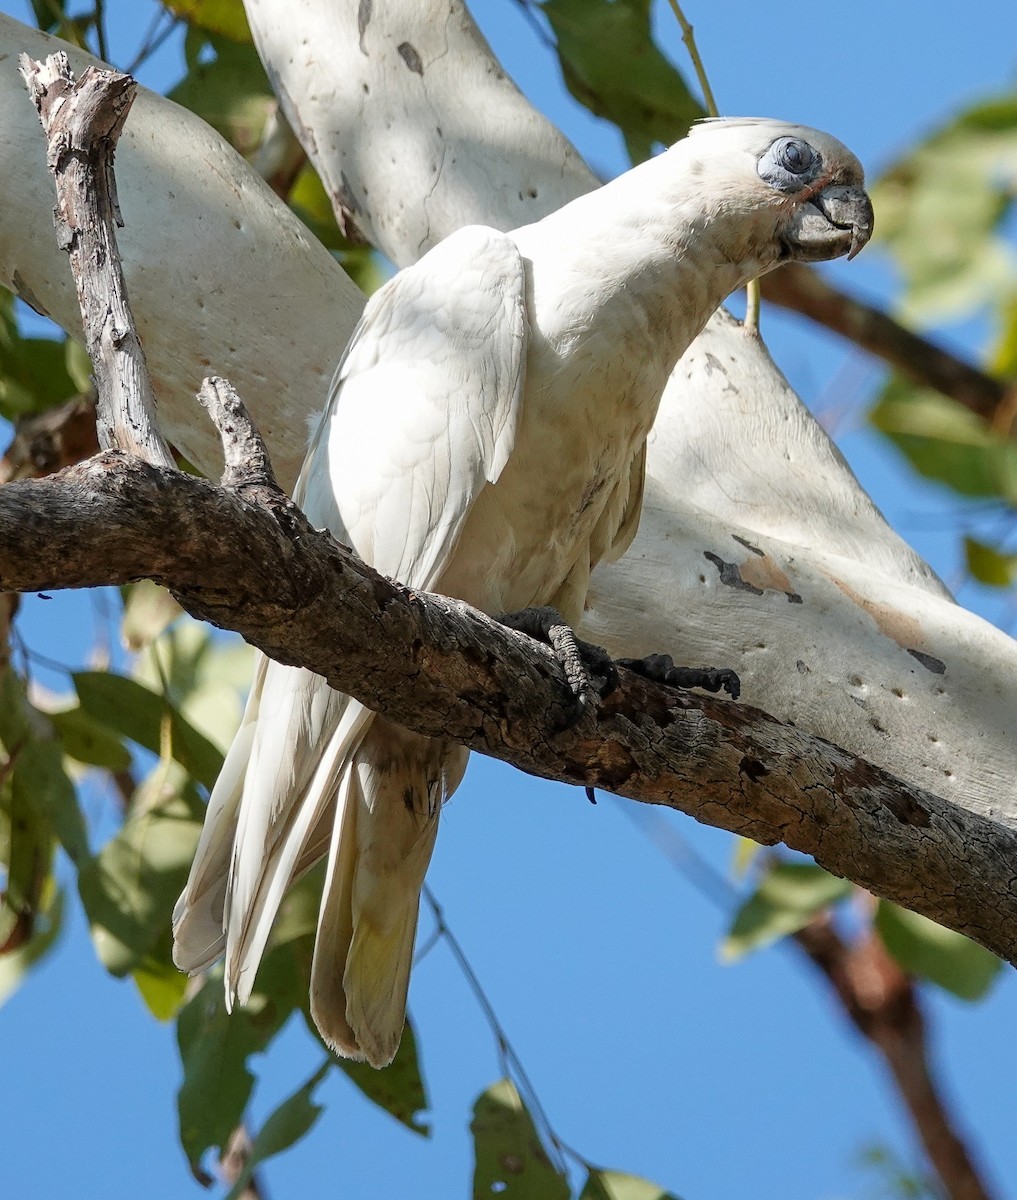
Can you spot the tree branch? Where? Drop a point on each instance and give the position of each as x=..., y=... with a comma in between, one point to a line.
x=83, y=121
x=882, y=1003
x=803, y=290
x=244, y=557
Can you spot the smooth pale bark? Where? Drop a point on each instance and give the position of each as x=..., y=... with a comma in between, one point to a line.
x=222, y=277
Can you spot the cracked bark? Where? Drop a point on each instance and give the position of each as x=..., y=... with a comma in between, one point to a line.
x=244, y=557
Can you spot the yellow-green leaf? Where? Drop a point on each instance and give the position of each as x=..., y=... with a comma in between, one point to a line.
x=215, y=16
x=941, y=956
x=788, y=897
x=989, y=565
x=617, y=1185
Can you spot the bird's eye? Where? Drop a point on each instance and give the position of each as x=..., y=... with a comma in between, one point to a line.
x=794, y=155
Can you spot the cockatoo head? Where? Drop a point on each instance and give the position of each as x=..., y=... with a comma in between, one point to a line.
x=801, y=190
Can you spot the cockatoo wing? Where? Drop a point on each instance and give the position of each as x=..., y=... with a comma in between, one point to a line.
x=422, y=415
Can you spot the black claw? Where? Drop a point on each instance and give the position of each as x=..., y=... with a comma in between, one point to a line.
x=661, y=668
x=591, y=795
x=581, y=661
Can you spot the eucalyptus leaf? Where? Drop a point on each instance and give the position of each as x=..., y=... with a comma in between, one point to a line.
x=509, y=1160
x=231, y=92
x=941, y=956
x=130, y=887
x=216, y=16
x=941, y=208
x=214, y=1048
x=788, y=896
x=947, y=442
x=617, y=1185
x=286, y=1125
x=988, y=564
x=148, y=610
x=87, y=741
x=397, y=1088
x=33, y=370
x=16, y=963
x=138, y=713
x=162, y=987
x=612, y=65
x=39, y=782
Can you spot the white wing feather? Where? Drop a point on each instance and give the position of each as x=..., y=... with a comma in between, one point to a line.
x=421, y=416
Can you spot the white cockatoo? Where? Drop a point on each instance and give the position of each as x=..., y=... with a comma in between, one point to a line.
x=484, y=438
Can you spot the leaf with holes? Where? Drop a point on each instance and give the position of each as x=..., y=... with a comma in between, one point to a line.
x=509, y=1160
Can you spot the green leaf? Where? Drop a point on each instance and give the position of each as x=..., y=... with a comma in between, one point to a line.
x=39, y=781
x=945, y=441
x=612, y=65
x=216, y=16
x=214, y=1048
x=788, y=897
x=130, y=887
x=941, y=956
x=14, y=709
x=33, y=371
x=204, y=676
x=509, y=1160
x=78, y=365
x=89, y=742
x=231, y=93
x=941, y=207
x=148, y=610
x=288, y=1124
x=616, y=1185
x=15, y=964
x=139, y=713
x=989, y=565
x=399, y=1087
x=162, y=987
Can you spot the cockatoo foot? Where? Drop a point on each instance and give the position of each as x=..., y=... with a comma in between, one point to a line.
x=581, y=661
x=661, y=669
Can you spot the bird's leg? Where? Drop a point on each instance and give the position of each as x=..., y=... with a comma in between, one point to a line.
x=579, y=660
x=661, y=669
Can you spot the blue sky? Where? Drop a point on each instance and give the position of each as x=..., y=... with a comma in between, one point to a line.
x=600, y=958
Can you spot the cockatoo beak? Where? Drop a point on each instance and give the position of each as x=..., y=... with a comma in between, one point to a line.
x=835, y=221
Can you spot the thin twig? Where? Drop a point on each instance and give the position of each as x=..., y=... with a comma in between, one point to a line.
x=83, y=121
x=99, y=23
x=689, y=38
x=511, y=1062
x=804, y=290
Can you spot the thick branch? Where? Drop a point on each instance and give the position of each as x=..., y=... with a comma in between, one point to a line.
x=83, y=121
x=247, y=559
x=805, y=291
x=882, y=1003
